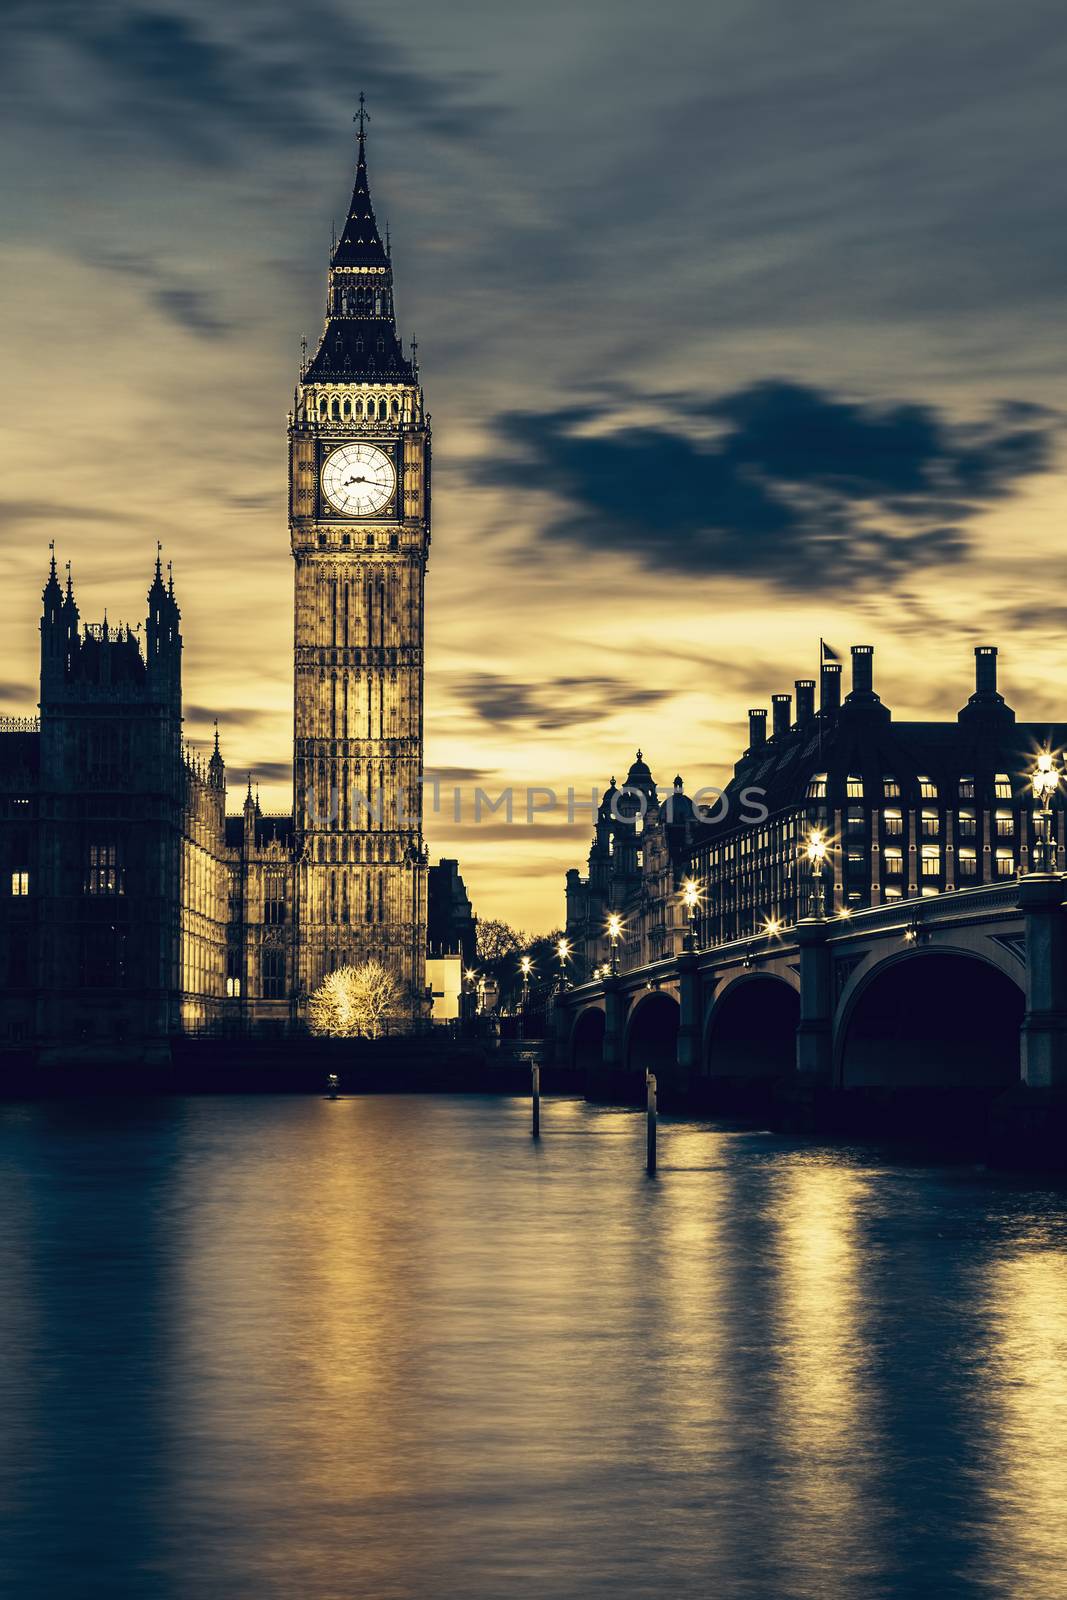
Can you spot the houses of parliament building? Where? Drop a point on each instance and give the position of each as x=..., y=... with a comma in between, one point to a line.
x=134, y=906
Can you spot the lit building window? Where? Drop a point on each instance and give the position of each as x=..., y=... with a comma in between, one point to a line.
x=927, y=789
x=20, y=883
x=890, y=789
x=967, y=825
x=893, y=891
x=967, y=788
x=1002, y=786
x=930, y=824
x=1005, y=863
x=1005, y=825
x=855, y=819
x=967, y=864
x=103, y=874
x=854, y=787
x=817, y=786
x=233, y=988
x=931, y=860
x=893, y=861
x=892, y=824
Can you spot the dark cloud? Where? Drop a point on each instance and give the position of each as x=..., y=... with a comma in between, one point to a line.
x=798, y=486
x=183, y=77
x=554, y=702
x=266, y=771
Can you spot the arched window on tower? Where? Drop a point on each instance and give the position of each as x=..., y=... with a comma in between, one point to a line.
x=359, y=408
x=396, y=408
x=335, y=410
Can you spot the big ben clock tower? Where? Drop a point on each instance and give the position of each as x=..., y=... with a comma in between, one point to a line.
x=359, y=518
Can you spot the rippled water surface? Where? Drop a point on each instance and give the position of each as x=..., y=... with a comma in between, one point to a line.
x=387, y=1347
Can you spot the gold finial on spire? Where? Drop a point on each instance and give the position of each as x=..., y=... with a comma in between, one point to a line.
x=362, y=116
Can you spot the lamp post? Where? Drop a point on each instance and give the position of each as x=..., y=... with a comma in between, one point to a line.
x=816, y=853
x=690, y=899
x=563, y=950
x=614, y=930
x=1045, y=780
x=472, y=990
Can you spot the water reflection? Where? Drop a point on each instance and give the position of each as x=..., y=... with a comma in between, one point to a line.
x=1023, y=1379
x=391, y=1348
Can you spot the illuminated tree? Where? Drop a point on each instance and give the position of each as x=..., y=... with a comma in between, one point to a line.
x=354, y=1002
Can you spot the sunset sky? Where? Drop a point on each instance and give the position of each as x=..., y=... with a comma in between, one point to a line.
x=741, y=323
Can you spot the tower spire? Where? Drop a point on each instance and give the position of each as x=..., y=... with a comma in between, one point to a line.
x=359, y=341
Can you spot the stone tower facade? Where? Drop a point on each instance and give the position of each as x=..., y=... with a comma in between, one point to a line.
x=359, y=518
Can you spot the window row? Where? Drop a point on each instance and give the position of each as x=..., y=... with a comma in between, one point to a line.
x=890, y=789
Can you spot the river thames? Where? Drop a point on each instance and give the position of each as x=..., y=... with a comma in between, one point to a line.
x=390, y=1348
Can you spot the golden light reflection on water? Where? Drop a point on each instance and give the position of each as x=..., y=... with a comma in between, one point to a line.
x=1022, y=1381
x=827, y=1419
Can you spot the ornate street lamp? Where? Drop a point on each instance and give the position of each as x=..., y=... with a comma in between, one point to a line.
x=690, y=899
x=525, y=967
x=817, y=849
x=563, y=950
x=614, y=930
x=1045, y=780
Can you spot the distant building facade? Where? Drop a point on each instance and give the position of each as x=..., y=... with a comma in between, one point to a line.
x=637, y=862
x=909, y=810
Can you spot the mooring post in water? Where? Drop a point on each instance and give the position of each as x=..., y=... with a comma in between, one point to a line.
x=535, y=1096
x=650, y=1122
x=332, y=1083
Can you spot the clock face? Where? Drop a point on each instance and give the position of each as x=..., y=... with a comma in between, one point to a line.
x=358, y=479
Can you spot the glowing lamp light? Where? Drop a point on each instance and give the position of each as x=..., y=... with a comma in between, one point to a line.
x=690, y=893
x=845, y=913
x=614, y=925
x=527, y=966
x=772, y=926
x=1045, y=777
x=563, y=949
x=817, y=847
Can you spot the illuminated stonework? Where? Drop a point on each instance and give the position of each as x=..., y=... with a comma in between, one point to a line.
x=360, y=552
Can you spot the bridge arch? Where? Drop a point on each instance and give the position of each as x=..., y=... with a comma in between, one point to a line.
x=652, y=1033
x=587, y=1039
x=751, y=1029
x=934, y=1017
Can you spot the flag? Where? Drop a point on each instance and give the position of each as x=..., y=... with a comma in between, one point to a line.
x=828, y=652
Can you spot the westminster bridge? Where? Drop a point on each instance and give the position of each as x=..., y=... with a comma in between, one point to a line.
x=965, y=990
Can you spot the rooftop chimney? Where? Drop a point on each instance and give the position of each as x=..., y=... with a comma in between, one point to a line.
x=757, y=730
x=781, y=714
x=986, y=703
x=985, y=669
x=830, y=695
x=862, y=669
x=805, y=688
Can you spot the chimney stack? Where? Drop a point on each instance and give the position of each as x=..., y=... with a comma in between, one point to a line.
x=862, y=670
x=985, y=669
x=830, y=696
x=757, y=730
x=781, y=714
x=805, y=688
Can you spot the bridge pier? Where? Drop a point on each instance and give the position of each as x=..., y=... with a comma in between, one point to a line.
x=690, y=1020
x=1044, y=1030
x=815, y=1031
